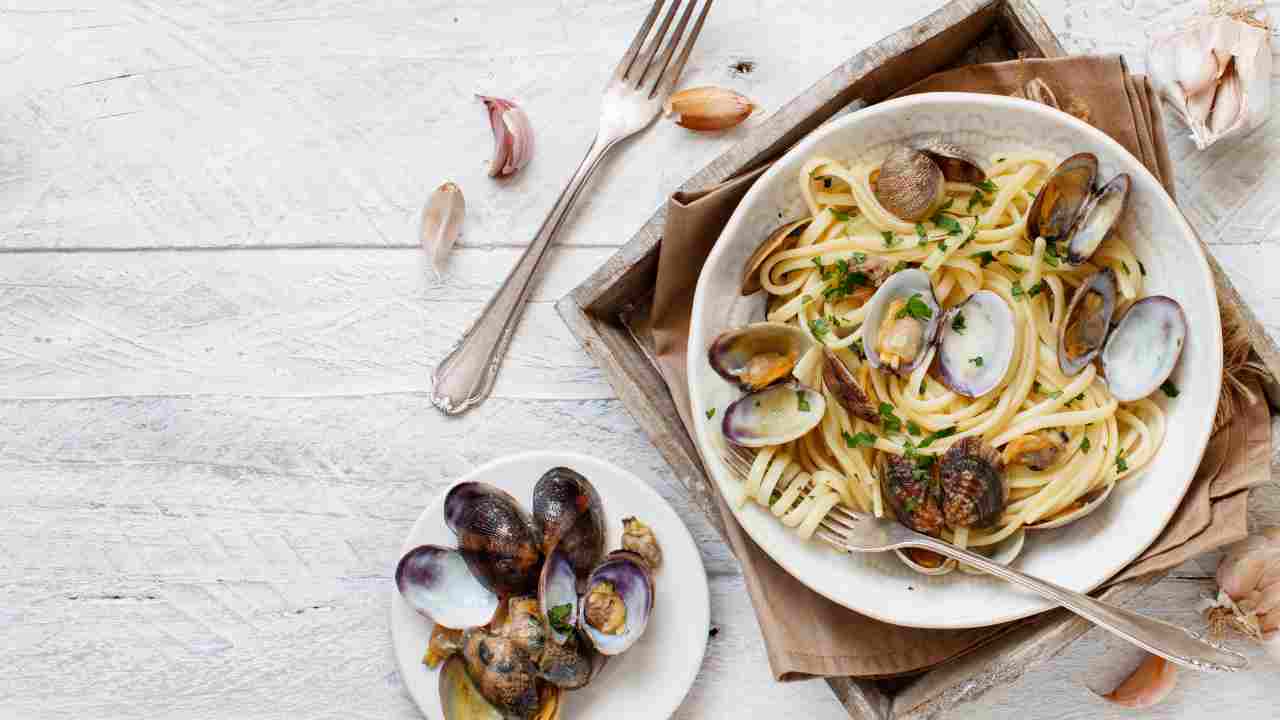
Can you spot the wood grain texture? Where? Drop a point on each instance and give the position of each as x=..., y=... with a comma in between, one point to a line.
x=188, y=532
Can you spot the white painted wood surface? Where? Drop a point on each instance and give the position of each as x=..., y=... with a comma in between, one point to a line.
x=216, y=333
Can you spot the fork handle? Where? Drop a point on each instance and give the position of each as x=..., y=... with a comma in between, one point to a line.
x=466, y=375
x=1169, y=641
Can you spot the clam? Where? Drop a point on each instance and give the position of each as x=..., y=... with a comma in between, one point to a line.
x=846, y=389
x=971, y=476
x=757, y=355
x=460, y=698
x=495, y=537
x=503, y=674
x=1064, y=194
x=639, y=538
x=523, y=626
x=910, y=490
x=571, y=664
x=909, y=183
x=901, y=322
x=567, y=514
x=437, y=583
x=956, y=163
x=781, y=238
x=1098, y=219
x=976, y=344
x=1083, y=505
x=1037, y=451
x=619, y=600
x=775, y=415
x=558, y=596
x=1088, y=320
x=1144, y=347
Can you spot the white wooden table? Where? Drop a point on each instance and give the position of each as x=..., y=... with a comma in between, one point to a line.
x=216, y=332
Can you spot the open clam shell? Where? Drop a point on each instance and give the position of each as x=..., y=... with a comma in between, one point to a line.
x=568, y=514
x=503, y=673
x=846, y=389
x=557, y=588
x=956, y=163
x=437, y=583
x=1098, y=219
x=757, y=355
x=910, y=183
x=1144, y=347
x=1063, y=196
x=976, y=344
x=773, y=416
x=460, y=698
x=781, y=238
x=624, y=578
x=1084, y=330
x=908, y=336
x=1086, y=504
x=495, y=536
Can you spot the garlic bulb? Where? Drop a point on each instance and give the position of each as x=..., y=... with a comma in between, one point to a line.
x=1249, y=590
x=1216, y=71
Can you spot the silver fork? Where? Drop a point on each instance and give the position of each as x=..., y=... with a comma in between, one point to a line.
x=857, y=532
x=639, y=86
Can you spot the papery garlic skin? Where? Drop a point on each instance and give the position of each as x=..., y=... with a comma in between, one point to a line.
x=442, y=218
x=1215, y=72
x=1249, y=589
x=512, y=136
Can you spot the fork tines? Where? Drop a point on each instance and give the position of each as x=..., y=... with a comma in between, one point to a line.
x=643, y=66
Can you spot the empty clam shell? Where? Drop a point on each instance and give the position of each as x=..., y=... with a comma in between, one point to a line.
x=1098, y=219
x=1144, y=347
x=910, y=184
x=779, y=239
x=773, y=416
x=1058, y=204
x=495, y=536
x=1088, y=320
x=894, y=341
x=1084, y=505
x=975, y=344
x=460, y=699
x=757, y=355
x=437, y=583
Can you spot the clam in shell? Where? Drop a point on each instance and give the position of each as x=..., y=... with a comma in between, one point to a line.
x=758, y=355
x=1088, y=320
x=495, y=536
x=1144, y=347
x=901, y=322
x=976, y=344
x=773, y=416
x=909, y=184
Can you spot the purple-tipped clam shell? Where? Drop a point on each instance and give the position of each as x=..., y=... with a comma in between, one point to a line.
x=775, y=415
x=633, y=581
x=976, y=344
x=843, y=385
x=1098, y=219
x=1058, y=204
x=1144, y=347
x=735, y=354
x=1088, y=320
x=567, y=513
x=460, y=699
x=437, y=583
x=557, y=587
x=902, y=285
x=495, y=536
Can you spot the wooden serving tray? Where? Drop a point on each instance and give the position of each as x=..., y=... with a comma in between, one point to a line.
x=609, y=311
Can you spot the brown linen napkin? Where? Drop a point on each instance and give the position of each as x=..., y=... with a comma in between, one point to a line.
x=807, y=635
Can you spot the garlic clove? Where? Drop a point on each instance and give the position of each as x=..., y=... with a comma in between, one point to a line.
x=442, y=223
x=1150, y=683
x=512, y=136
x=708, y=108
x=1227, y=103
x=1197, y=66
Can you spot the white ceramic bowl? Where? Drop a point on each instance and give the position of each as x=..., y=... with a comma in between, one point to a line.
x=649, y=680
x=1080, y=556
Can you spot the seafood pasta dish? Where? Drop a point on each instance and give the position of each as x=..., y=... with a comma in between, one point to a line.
x=962, y=343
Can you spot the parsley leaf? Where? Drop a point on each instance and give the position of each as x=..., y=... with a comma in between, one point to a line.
x=920, y=233
x=913, y=428
x=889, y=421
x=916, y=308
x=862, y=439
x=1085, y=445
x=802, y=402
x=711, y=413
x=841, y=216
x=976, y=360
x=1121, y=464
x=985, y=257
x=890, y=239
x=857, y=345
x=1017, y=289
x=938, y=435
x=1170, y=389
x=556, y=618
x=987, y=186
x=957, y=324
x=974, y=199
x=948, y=223
x=819, y=327
x=1036, y=289
x=859, y=258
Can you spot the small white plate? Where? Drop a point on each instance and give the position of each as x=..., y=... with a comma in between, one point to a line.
x=649, y=680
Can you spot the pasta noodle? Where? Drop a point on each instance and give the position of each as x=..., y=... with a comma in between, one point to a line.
x=978, y=241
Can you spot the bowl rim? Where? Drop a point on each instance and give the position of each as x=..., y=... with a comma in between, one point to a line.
x=1162, y=202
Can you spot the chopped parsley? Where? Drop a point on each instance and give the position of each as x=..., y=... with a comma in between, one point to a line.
x=913, y=428
x=890, y=239
x=857, y=345
x=957, y=323
x=1051, y=256
x=1036, y=289
x=915, y=308
x=1170, y=389
x=975, y=198
x=1017, y=289
x=844, y=280
x=987, y=186
x=976, y=360
x=948, y=223
x=862, y=439
x=985, y=257
x=711, y=413
x=1121, y=464
x=556, y=618
x=859, y=258
x=802, y=402
x=819, y=327
x=890, y=422
x=924, y=385
x=835, y=322
x=1085, y=445
x=841, y=216
x=805, y=299
x=920, y=233
x=938, y=435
